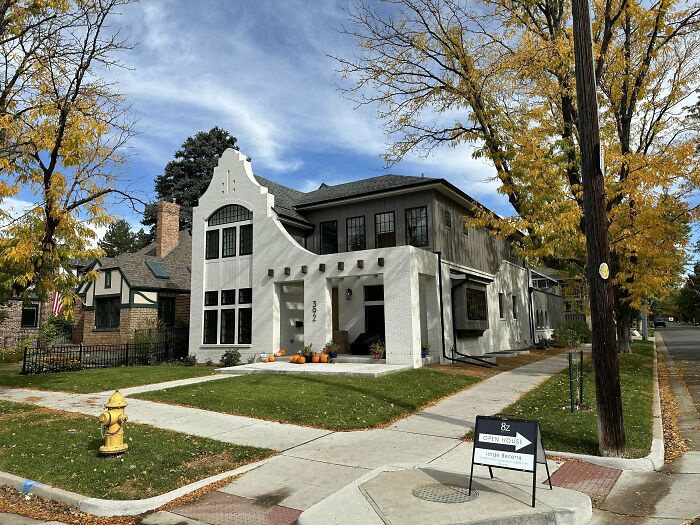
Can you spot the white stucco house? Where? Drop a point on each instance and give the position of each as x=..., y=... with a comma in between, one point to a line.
x=382, y=258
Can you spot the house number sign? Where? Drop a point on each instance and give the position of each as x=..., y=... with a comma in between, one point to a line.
x=313, y=311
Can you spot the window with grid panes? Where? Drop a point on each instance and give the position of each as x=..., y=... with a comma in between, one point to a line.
x=417, y=226
x=228, y=242
x=329, y=237
x=355, y=229
x=385, y=229
x=229, y=214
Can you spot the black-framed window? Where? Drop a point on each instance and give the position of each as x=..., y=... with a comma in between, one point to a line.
x=245, y=232
x=210, y=322
x=417, y=226
x=228, y=326
x=447, y=219
x=228, y=242
x=374, y=292
x=166, y=311
x=228, y=296
x=211, y=250
x=245, y=326
x=245, y=296
x=30, y=316
x=329, y=237
x=355, y=229
x=230, y=213
x=107, y=312
x=515, y=307
x=385, y=229
x=211, y=298
x=477, y=308
x=108, y=278
x=501, y=306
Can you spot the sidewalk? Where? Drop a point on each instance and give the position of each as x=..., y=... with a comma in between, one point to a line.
x=315, y=463
x=666, y=497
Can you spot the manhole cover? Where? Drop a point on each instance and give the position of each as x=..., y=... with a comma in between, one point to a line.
x=439, y=493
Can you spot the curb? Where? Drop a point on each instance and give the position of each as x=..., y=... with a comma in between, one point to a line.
x=108, y=507
x=654, y=461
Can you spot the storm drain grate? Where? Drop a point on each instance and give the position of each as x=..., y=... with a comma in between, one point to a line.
x=439, y=493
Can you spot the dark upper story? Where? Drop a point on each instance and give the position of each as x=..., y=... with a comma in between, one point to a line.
x=386, y=211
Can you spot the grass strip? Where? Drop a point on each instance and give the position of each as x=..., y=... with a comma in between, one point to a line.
x=61, y=449
x=98, y=379
x=332, y=402
x=565, y=431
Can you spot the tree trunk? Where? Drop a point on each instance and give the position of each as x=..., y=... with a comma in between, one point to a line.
x=611, y=432
x=623, y=317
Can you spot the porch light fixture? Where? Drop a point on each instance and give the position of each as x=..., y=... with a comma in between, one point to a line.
x=348, y=293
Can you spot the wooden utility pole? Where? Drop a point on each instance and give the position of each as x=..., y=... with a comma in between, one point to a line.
x=611, y=432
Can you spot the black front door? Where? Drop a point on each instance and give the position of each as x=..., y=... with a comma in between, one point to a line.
x=374, y=320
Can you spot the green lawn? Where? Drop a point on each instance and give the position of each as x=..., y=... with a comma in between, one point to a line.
x=333, y=402
x=61, y=449
x=99, y=379
x=565, y=431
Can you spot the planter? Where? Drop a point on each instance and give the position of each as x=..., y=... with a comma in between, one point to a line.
x=333, y=355
x=424, y=354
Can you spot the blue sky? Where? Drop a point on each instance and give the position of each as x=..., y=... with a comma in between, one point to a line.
x=260, y=71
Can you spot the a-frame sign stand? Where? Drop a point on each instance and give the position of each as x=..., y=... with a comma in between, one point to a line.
x=512, y=444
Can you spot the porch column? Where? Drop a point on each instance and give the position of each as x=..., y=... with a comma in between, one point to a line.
x=318, y=321
x=432, y=310
x=402, y=313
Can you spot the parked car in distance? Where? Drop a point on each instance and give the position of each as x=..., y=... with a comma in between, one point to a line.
x=659, y=321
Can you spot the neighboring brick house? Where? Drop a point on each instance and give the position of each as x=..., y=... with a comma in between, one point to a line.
x=135, y=291
x=23, y=320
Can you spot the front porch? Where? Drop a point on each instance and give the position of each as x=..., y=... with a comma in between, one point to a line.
x=358, y=366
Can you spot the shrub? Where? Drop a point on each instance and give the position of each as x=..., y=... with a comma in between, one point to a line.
x=580, y=328
x=189, y=360
x=565, y=336
x=230, y=358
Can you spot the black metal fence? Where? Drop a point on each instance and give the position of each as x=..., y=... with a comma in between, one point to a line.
x=39, y=359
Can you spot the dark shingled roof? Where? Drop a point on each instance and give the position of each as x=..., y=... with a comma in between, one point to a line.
x=360, y=187
x=176, y=263
x=285, y=199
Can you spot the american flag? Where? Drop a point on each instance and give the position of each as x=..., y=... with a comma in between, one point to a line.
x=57, y=304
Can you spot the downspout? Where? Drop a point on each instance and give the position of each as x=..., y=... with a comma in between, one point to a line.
x=529, y=305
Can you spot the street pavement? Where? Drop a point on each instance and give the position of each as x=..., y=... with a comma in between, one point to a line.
x=683, y=343
x=670, y=496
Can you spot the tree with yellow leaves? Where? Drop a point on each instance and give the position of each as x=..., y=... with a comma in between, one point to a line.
x=499, y=75
x=62, y=128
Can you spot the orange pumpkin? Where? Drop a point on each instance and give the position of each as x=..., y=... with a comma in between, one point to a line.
x=324, y=358
x=271, y=359
x=315, y=358
x=293, y=359
x=282, y=352
x=301, y=360
x=265, y=359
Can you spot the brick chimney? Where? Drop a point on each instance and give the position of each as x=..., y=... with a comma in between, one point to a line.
x=167, y=227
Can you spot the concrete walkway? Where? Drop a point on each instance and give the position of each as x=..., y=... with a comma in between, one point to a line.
x=315, y=463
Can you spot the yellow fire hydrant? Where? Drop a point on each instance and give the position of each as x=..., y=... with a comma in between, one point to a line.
x=112, y=421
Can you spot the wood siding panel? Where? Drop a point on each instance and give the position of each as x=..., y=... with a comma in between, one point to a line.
x=479, y=249
x=369, y=208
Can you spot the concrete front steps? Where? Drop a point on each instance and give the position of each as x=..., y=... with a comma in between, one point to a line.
x=343, y=365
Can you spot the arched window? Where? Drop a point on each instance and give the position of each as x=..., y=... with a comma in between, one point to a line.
x=229, y=214
x=229, y=241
